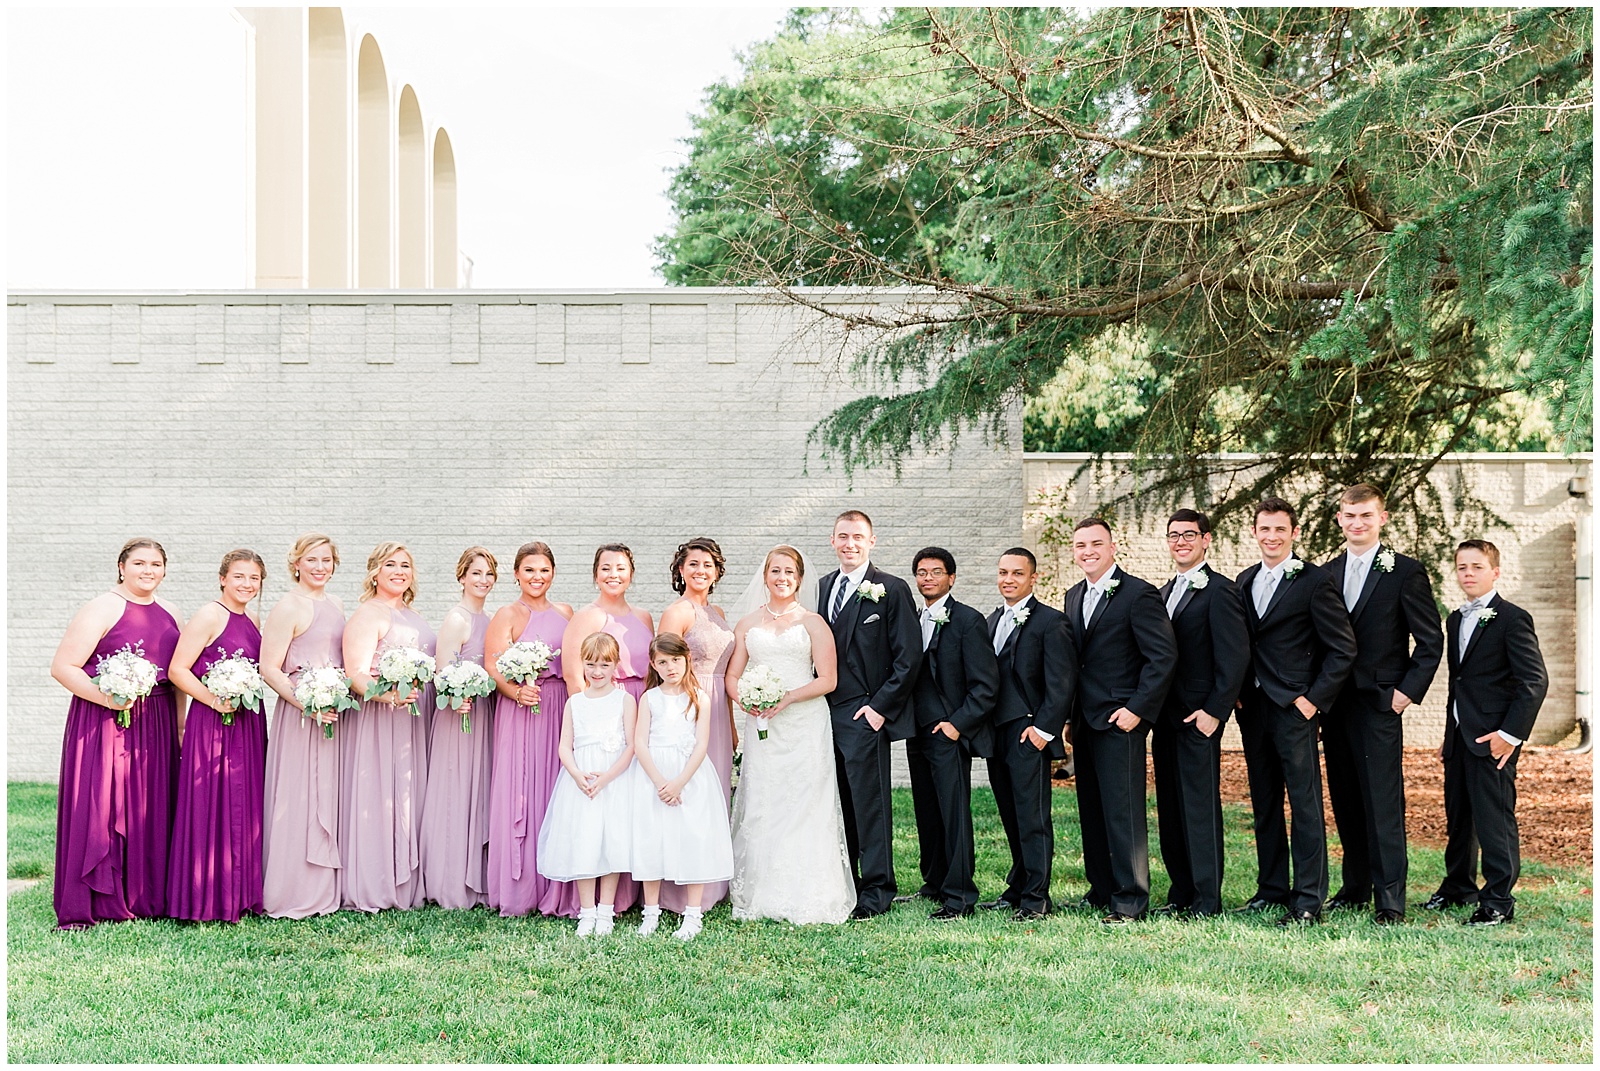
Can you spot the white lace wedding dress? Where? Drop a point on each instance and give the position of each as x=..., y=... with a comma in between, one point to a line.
x=789, y=856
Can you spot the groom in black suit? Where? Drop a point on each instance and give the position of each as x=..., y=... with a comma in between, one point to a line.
x=879, y=644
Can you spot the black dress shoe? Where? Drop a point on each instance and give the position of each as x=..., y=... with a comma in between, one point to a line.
x=1439, y=901
x=1388, y=917
x=1170, y=910
x=946, y=913
x=922, y=894
x=1257, y=904
x=1117, y=918
x=998, y=905
x=1342, y=899
x=860, y=913
x=1299, y=918
x=1029, y=914
x=1083, y=903
x=1488, y=916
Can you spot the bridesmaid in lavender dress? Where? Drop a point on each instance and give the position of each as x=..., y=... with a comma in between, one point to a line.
x=300, y=846
x=527, y=763
x=383, y=747
x=455, y=815
x=696, y=570
x=215, y=861
x=633, y=630
x=114, y=818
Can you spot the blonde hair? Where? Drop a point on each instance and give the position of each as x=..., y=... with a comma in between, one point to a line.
x=380, y=554
x=673, y=646
x=465, y=562
x=788, y=552
x=600, y=647
x=303, y=546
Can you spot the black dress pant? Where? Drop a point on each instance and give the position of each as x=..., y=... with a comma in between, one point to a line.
x=1019, y=775
x=861, y=762
x=1280, y=752
x=941, y=793
x=1364, y=750
x=1111, y=810
x=1480, y=809
x=1188, y=769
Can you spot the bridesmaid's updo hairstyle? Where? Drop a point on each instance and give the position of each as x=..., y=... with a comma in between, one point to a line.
x=700, y=543
x=788, y=552
x=243, y=554
x=673, y=646
x=600, y=647
x=134, y=544
x=612, y=548
x=538, y=548
x=465, y=562
x=380, y=554
x=305, y=545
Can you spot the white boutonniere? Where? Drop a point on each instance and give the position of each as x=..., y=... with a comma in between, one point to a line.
x=942, y=617
x=1199, y=580
x=1022, y=614
x=1292, y=567
x=1386, y=561
x=1486, y=615
x=1112, y=585
x=871, y=592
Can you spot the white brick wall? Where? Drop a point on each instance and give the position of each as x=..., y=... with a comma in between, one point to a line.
x=245, y=418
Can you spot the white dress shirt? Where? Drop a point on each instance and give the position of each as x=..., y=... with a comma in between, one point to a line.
x=851, y=580
x=928, y=613
x=1356, y=568
x=1470, y=612
x=1095, y=592
x=1180, y=584
x=1267, y=580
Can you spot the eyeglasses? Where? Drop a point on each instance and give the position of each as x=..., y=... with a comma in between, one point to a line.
x=930, y=574
x=1183, y=537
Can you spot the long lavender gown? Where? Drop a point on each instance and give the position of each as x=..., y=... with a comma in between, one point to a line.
x=710, y=643
x=455, y=815
x=300, y=850
x=384, y=754
x=633, y=637
x=117, y=788
x=527, y=765
x=215, y=862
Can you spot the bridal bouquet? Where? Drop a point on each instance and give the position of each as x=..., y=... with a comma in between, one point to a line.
x=235, y=679
x=324, y=690
x=521, y=663
x=126, y=676
x=760, y=690
x=401, y=669
x=459, y=682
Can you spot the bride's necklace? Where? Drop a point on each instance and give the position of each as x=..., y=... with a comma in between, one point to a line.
x=775, y=614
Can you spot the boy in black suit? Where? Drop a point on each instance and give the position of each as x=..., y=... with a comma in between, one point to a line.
x=1497, y=684
x=953, y=701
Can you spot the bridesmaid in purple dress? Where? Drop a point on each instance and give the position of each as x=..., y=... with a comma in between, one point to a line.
x=215, y=860
x=384, y=747
x=696, y=570
x=633, y=630
x=455, y=815
x=300, y=847
x=526, y=744
x=114, y=816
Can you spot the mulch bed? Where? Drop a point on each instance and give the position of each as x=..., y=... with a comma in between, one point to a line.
x=1555, y=801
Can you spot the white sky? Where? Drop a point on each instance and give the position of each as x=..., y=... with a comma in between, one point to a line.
x=126, y=148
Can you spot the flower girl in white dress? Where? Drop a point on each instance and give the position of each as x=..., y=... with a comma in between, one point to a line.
x=588, y=825
x=680, y=828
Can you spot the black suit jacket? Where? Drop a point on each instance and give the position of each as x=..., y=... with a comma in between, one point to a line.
x=959, y=679
x=1303, y=644
x=1394, y=609
x=1127, y=655
x=1037, y=675
x=1213, y=649
x=880, y=646
x=1500, y=684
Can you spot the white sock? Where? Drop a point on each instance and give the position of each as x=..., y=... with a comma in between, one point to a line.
x=690, y=926
x=652, y=919
x=586, y=921
x=605, y=919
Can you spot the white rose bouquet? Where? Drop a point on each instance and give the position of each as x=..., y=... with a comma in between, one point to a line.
x=126, y=676
x=235, y=679
x=459, y=682
x=401, y=669
x=521, y=663
x=324, y=690
x=760, y=690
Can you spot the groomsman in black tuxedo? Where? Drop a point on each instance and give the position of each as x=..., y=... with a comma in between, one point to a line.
x=1037, y=679
x=1497, y=684
x=1126, y=657
x=1302, y=653
x=1186, y=745
x=953, y=701
x=1398, y=647
x=875, y=631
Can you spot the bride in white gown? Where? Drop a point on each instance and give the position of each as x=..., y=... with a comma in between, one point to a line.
x=789, y=856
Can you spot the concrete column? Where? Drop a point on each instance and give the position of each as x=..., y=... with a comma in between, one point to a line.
x=328, y=148
x=279, y=145
x=444, y=213
x=411, y=217
x=374, y=143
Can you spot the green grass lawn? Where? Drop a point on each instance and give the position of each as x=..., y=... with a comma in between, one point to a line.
x=433, y=985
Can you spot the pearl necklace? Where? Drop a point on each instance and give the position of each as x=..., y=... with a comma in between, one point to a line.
x=775, y=615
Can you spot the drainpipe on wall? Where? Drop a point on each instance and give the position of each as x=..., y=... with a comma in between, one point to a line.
x=1584, y=574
